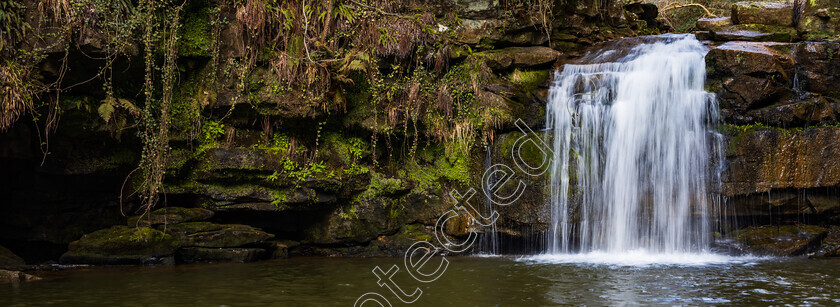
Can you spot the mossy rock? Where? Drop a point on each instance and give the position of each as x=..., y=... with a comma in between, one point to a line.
x=763, y=12
x=512, y=57
x=122, y=245
x=204, y=254
x=9, y=259
x=206, y=234
x=171, y=215
x=788, y=240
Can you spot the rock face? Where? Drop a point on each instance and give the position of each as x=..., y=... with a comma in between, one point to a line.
x=763, y=12
x=781, y=131
x=519, y=57
x=122, y=245
x=205, y=234
x=171, y=215
x=764, y=159
x=820, y=20
x=787, y=240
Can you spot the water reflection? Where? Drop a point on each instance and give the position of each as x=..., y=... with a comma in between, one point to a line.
x=469, y=281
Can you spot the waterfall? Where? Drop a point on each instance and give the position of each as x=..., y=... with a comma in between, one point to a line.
x=634, y=147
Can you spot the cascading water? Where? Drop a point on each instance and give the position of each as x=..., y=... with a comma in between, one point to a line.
x=634, y=151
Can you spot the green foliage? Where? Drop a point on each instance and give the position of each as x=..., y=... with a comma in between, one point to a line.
x=13, y=27
x=379, y=186
x=196, y=36
x=211, y=131
x=351, y=214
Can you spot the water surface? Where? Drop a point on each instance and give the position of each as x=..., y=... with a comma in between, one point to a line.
x=469, y=281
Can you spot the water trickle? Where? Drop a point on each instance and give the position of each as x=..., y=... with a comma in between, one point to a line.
x=635, y=152
x=489, y=243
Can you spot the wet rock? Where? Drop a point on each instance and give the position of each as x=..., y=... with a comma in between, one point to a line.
x=15, y=277
x=9, y=259
x=122, y=245
x=713, y=23
x=788, y=240
x=530, y=209
x=513, y=57
x=393, y=245
x=764, y=12
x=815, y=111
x=748, y=75
x=831, y=244
x=280, y=249
x=171, y=215
x=761, y=159
x=819, y=63
x=754, y=33
x=206, y=234
x=204, y=254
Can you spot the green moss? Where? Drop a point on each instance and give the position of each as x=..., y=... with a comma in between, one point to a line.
x=122, y=240
x=737, y=133
x=379, y=186
x=528, y=80
x=196, y=39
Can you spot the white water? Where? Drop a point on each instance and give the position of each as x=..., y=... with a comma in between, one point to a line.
x=632, y=142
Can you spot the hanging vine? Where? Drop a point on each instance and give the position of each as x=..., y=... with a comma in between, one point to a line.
x=156, y=112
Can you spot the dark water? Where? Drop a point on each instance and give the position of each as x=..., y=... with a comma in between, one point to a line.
x=469, y=281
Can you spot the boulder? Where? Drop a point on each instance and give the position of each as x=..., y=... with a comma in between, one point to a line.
x=205, y=254
x=713, y=23
x=788, y=240
x=171, y=215
x=206, y=234
x=122, y=245
x=15, y=277
x=9, y=259
x=763, y=12
x=518, y=57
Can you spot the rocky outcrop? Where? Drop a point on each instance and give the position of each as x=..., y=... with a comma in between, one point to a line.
x=763, y=159
x=787, y=240
x=781, y=131
x=205, y=234
x=171, y=215
x=123, y=245
x=775, y=84
x=519, y=57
